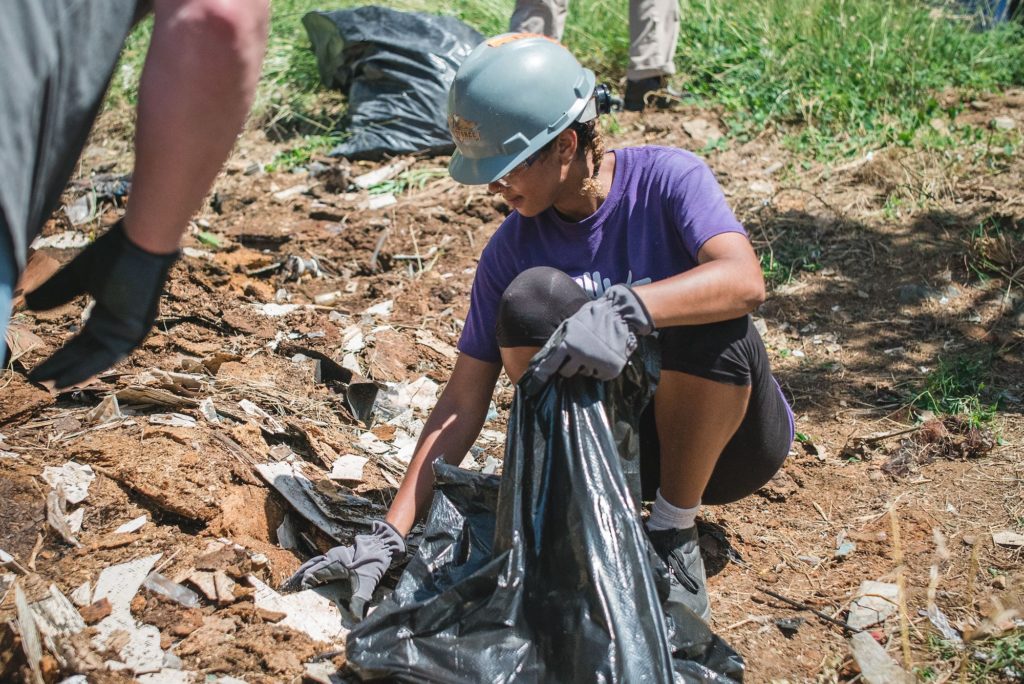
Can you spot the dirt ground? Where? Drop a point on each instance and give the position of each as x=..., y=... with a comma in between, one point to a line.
x=899, y=259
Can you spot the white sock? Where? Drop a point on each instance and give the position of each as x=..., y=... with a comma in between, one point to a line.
x=665, y=516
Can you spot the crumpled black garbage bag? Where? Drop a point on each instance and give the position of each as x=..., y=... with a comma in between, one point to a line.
x=544, y=574
x=396, y=69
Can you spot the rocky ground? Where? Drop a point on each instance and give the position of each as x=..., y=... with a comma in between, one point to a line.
x=314, y=315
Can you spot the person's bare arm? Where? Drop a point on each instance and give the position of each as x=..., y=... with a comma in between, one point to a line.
x=196, y=88
x=726, y=284
x=451, y=429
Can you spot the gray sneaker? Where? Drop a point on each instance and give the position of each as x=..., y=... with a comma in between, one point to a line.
x=680, y=551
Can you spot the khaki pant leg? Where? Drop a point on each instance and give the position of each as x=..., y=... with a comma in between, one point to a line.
x=546, y=17
x=653, y=32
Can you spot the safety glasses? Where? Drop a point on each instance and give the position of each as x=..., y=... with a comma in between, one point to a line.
x=503, y=181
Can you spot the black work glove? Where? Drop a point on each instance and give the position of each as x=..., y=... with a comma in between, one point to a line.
x=597, y=340
x=362, y=564
x=126, y=282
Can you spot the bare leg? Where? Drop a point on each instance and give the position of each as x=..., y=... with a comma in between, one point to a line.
x=696, y=418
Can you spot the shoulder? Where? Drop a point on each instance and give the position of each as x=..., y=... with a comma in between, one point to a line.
x=662, y=161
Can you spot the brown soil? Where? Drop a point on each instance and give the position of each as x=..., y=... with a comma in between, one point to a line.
x=850, y=343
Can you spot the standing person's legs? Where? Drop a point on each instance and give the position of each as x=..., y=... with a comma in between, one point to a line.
x=546, y=17
x=653, y=33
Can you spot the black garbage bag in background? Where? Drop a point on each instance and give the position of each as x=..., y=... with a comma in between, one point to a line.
x=396, y=68
x=544, y=575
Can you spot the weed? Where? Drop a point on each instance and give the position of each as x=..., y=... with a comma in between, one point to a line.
x=956, y=388
x=780, y=263
x=999, y=657
x=408, y=180
x=300, y=154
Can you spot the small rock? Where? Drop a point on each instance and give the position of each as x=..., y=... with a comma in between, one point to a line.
x=999, y=582
x=1003, y=123
x=980, y=105
x=94, y=612
x=939, y=126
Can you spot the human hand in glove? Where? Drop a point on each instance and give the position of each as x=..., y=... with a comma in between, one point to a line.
x=597, y=340
x=362, y=564
x=126, y=282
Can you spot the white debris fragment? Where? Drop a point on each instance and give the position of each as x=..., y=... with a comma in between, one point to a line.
x=119, y=584
x=209, y=411
x=419, y=394
x=312, y=611
x=69, y=239
x=352, y=339
x=82, y=596
x=287, y=537
x=172, y=420
x=107, y=410
x=268, y=421
x=380, y=174
x=380, y=201
x=289, y=193
x=273, y=310
x=73, y=477
x=1008, y=538
x=75, y=520
x=877, y=666
x=491, y=466
x=349, y=468
x=132, y=525
x=875, y=602
x=383, y=309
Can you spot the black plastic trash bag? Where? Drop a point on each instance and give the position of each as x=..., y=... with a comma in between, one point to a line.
x=396, y=68
x=544, y=575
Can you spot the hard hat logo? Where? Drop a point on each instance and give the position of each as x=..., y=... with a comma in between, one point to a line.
x=463, y=130
x=498, y=41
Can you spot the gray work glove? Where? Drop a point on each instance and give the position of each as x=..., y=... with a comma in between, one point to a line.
x=126, y=282
x=598, y=339
x=362, y=564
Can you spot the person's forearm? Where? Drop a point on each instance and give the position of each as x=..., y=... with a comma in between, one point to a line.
x=449, y=433
x=195, y=91
x=718, y=290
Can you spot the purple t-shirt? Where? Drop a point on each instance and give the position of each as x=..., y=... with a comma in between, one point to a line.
x=664, y=204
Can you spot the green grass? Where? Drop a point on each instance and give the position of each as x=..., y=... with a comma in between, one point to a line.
x=996, y=659
x=835, y=76
x=958, y=387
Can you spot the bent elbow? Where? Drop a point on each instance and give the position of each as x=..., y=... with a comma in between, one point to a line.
x=754, y=294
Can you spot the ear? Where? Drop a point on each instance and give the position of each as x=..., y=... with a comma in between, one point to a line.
x=566, y=145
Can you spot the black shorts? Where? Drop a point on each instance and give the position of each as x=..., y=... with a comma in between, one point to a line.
x=727, y=351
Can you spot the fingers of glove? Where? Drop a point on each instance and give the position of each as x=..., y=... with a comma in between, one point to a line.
x=78, y=360
x=295, y=580
x=61, y=288
x=323, y=573
x=551, y=363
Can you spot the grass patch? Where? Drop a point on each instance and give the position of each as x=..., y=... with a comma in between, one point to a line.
x=835, y=76
x=958, y=388
x=780, y=263
x=306, y=149
x=841, y=75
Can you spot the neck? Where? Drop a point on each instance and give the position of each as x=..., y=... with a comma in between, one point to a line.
x=576, y=204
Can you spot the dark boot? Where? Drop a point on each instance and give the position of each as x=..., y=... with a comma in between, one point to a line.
x=650, y=92
x=680, y=551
